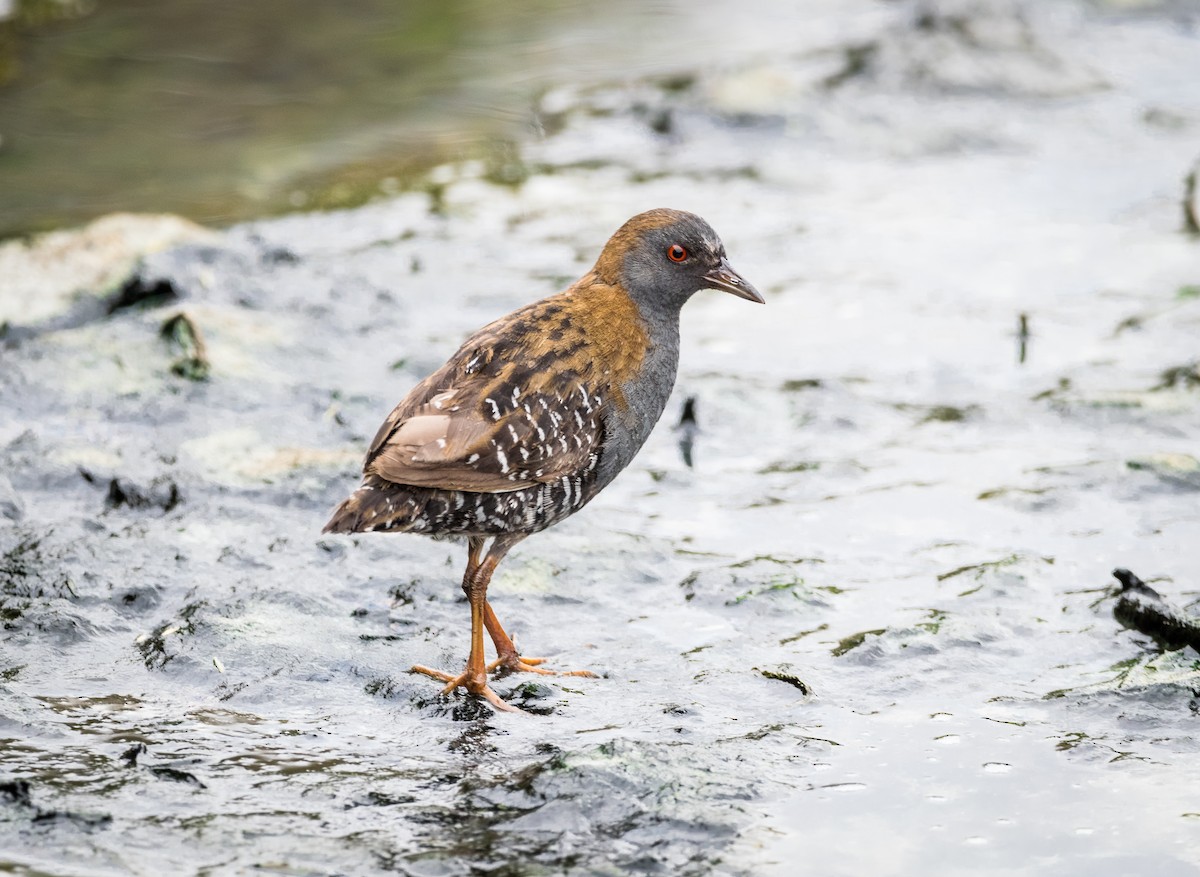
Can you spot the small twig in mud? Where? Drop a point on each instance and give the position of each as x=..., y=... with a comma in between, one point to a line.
x=687, y=429
x=790, y=678
x=1191, y=209
x=852, y=642
x=1185, y=377
x=181, y=331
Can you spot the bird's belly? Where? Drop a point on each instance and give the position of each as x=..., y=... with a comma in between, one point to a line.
x=436, y=512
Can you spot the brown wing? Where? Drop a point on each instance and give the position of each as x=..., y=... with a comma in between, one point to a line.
x=509, y=410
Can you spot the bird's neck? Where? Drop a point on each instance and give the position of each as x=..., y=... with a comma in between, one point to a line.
x=642, y=346
x=638, y=340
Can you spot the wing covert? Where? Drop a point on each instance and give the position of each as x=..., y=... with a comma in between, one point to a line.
x=493, y=419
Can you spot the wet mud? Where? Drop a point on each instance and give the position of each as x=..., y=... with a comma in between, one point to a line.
x=850, y=609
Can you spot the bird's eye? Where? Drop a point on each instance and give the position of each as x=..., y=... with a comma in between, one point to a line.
x=676, y=253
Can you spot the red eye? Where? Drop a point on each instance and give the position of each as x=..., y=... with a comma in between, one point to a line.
x=676, y=253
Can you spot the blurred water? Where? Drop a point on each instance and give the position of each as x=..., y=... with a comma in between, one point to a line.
x=226, y=110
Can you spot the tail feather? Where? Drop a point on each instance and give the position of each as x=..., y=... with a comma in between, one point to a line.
x=376, y=505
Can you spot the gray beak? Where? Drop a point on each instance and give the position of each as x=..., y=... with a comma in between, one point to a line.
x=724, y=277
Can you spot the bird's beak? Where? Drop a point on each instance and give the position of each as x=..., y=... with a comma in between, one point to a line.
x=724, y=277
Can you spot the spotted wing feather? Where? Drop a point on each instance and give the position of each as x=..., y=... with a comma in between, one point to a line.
x=507, y=412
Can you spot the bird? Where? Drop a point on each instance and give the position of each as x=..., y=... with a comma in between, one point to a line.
x=536, y=413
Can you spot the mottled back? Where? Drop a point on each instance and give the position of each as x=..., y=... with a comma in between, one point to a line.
x=522, y=402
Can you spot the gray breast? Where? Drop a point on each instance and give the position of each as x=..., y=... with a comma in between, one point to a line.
x=646, y=396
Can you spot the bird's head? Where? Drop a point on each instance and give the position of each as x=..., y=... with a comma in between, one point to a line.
x=662, y=257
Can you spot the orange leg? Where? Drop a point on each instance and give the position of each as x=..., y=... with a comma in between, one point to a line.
x=475, y=583
x=509, y=658
x=506, y=653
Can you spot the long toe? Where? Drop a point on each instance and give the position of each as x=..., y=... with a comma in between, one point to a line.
x=519, y=664
x=429, y=671
x=472, y=683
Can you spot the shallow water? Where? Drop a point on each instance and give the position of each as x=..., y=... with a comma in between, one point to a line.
x=231, y=111
x=869, y=630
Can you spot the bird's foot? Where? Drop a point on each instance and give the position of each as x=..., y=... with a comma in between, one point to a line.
x=514, y=663
x=474, y=683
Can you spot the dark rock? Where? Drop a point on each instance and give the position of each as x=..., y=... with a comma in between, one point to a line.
x=16, y=792
x=162, y=493
x=1139, y=607
x=138, y=290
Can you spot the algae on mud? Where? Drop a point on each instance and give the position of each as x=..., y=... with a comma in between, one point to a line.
x=990, y=717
